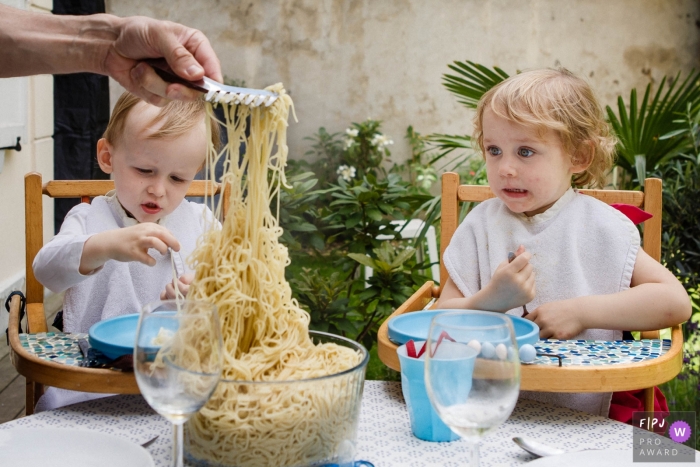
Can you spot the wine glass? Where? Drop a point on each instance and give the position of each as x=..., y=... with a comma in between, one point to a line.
x=177, y=360
x=472, y=372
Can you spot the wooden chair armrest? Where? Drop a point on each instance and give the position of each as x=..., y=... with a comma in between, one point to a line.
x=554, y=379
x=36, y=320
x=607, y=378
x=63, y=376
x=386, y=350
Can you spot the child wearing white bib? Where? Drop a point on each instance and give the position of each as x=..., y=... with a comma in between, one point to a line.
x=579, y=267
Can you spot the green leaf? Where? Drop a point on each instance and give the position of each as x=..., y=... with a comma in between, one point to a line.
x=367, y=294
x=301, y=227
x=374, y=214
x=363, y=260
x=353, y=220
x=402, y=257
x=671, y=134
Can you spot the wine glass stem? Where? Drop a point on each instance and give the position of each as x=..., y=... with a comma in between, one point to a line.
x=177, y=445
x=475, y=455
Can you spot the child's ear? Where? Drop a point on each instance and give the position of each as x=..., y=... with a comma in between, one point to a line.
x=104, y=155
x=583, y=157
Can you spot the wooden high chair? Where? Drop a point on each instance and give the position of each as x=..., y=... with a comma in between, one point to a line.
x=39, y=372
x=605, y=378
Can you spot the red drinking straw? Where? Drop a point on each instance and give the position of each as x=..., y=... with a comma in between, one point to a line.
x=411, y=346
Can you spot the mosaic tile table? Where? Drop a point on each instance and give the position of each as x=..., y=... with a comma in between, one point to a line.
x=63, y=348
x=384, y=433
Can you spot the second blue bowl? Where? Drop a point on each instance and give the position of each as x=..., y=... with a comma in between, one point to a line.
x=416, y=325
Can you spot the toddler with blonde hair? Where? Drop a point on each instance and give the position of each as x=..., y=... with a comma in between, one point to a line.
x=116, y=254
x=579, y=267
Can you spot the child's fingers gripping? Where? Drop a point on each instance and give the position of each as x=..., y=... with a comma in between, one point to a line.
x=155, y=243
x=521, y=261
x=187, y=278
x=183, y=287
x=142, y=256
x=167, y=238
x=534, y=316
x=168, y=293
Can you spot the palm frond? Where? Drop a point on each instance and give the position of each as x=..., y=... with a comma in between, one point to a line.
x=471, y=81
x=639, y=130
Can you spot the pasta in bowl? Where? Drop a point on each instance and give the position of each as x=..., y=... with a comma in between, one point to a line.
x=304, y=422
x=287, y=397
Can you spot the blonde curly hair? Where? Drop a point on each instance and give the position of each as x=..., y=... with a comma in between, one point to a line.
x=555, y=99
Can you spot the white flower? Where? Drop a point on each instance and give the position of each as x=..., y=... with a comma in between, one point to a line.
x=380, y=141
x=350, y=138
x=347, y=172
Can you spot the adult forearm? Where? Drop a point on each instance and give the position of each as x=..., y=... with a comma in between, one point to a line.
x=36, y=43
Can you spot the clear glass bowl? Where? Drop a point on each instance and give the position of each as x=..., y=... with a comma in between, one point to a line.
x=314, y=425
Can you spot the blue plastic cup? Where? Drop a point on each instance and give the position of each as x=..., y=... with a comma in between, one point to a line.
x=425, y=422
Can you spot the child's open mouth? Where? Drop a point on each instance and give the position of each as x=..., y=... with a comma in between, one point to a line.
x=151, y=208
x=515, y=192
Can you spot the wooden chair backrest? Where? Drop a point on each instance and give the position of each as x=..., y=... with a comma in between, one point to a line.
x=650, y=200
x=34, y=224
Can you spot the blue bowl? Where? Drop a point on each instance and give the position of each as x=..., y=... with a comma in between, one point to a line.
x=114, y=337
x=416, y=325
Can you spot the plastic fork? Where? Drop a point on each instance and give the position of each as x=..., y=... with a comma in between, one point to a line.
x=215, y=92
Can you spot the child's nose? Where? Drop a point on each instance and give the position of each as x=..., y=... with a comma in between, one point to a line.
x=156, y=188
x=506, y=168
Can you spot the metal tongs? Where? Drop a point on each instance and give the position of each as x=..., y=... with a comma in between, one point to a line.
x=215, y=92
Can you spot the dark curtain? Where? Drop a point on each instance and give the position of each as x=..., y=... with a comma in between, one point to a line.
x=81, y=114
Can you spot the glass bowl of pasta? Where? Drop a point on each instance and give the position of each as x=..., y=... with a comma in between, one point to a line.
x=306, y=417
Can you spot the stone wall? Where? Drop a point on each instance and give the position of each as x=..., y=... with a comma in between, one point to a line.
x=346, y=60
x=36, y=156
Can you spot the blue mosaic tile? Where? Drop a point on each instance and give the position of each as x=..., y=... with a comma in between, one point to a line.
x=591, y=353
x=63, y=348
x=57, y=347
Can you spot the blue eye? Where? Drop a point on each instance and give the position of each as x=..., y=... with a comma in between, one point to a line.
x=525, y=152
x=494, y=151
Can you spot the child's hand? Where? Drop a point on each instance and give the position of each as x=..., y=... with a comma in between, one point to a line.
x=512, y=284
x=183, y=284
x=127, y=244
x=557, y=320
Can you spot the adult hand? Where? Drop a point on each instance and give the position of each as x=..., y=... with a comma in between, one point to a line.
x=183, y=285
x=36, y=43
x=187, y=51
x=558, y=320
x=127, y=244
x=512, y=284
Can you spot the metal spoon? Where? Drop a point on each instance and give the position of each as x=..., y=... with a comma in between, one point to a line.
x=149, y=442
x=511, y=257
x=536, y=448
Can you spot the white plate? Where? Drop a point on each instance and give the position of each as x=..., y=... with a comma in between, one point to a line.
x=601, y=458
x=57, y=447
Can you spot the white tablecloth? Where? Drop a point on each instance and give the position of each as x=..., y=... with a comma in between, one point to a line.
x=384, y=435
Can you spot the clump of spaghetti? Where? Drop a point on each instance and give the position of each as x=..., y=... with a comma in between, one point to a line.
x=240, y=268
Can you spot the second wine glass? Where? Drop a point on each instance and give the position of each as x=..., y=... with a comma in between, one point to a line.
x=177, y=360
x=472, y=372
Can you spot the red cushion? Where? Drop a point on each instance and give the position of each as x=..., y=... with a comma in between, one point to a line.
x=625, y=403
